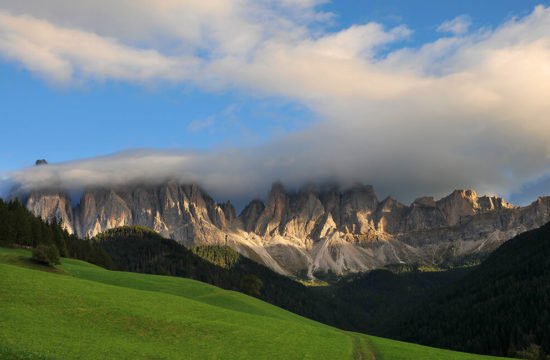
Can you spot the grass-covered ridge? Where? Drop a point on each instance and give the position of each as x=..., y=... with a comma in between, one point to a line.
x=86, y=312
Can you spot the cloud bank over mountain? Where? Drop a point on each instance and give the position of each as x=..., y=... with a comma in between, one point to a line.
x=469, y=109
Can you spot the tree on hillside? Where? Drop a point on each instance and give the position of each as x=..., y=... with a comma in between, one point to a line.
x=59, y=237
x=46, y=254
x=251, y=285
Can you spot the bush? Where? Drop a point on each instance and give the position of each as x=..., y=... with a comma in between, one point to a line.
x=251, y=285
x=533, y=352
x=46, y=254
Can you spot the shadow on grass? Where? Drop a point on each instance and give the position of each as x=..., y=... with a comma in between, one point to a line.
x=27, y=262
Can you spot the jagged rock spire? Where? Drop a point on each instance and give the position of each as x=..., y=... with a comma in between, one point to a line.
x=312, y=229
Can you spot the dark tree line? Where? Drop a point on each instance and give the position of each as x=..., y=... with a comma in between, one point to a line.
x=380, y=298
x=19, y=227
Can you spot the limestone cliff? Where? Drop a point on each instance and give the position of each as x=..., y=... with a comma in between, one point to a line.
x=305, y=231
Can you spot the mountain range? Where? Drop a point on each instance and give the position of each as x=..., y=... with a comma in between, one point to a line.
x=309, y=232
x=498, y=307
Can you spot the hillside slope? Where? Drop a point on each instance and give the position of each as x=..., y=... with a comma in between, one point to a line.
x=500, y=307
x=138, y=249
x=84, y=311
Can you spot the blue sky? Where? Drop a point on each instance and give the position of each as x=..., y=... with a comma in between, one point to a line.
x=66, y=123
x=61, y=123
x=95, y=115
x=424, y=16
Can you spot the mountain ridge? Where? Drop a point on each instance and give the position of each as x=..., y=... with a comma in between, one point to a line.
x=304, y=232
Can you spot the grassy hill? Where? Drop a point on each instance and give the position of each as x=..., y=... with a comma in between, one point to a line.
x=83, y=311
x=140, y=249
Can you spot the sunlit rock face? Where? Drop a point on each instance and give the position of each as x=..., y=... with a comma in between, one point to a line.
x=50, y=205
x=304, y=232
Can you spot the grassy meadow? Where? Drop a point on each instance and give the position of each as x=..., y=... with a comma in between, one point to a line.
x=81, y=311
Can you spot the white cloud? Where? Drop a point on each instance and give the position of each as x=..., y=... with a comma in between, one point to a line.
x=201, y=124
x=63, y=55
x=457, y=26
x=462, y=111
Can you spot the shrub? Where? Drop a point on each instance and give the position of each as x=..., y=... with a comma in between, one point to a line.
x=533, y=352
x=46, y=254
x=251, y=285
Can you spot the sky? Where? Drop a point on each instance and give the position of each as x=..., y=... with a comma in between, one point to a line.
x=415, y=97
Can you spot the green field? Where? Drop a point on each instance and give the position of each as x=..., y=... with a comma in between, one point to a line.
x=80, y=311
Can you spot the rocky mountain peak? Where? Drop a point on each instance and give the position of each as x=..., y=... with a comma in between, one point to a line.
x=463, y=194
x=275, y=210
x=50, y=205
x=389, y=215
x=426, y=201
x=277, y=198
x=250, y=214
x=229, y=211
x=389, y=203
x=360, y=197
x=458, y=204
x=312, y=229
x=488, y=203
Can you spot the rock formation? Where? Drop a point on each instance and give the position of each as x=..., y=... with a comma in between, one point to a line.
x=312, y=230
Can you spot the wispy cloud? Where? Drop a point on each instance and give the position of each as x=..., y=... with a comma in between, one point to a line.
x=461, y=111
x=201, y=124
x=457, y=26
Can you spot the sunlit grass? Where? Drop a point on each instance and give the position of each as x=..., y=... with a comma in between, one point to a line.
x=83, y=311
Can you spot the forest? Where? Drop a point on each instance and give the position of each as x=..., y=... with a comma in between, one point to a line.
x=18, y=227
x=502, y=307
